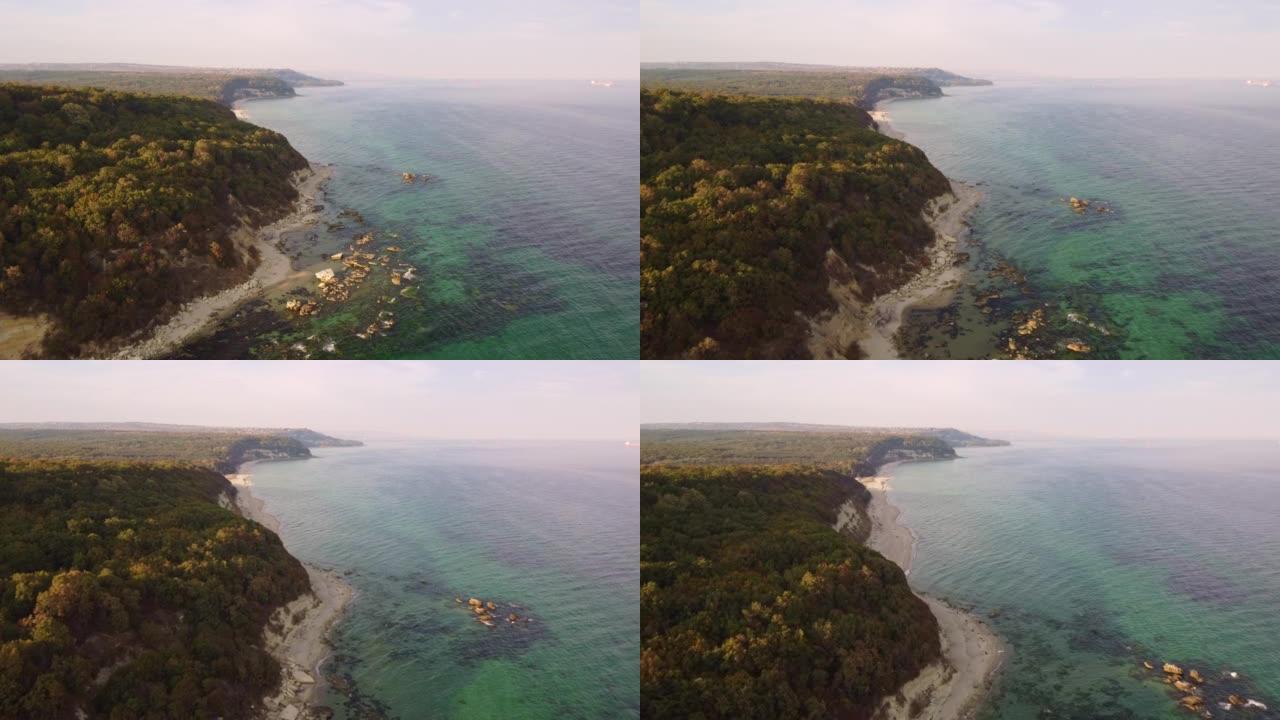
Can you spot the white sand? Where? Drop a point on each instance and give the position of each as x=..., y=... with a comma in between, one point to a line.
x=953, y=687
x=300, y=646
x=274, y=268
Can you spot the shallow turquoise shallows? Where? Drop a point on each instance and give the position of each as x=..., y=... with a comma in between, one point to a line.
x=1091, y=558
x=1187, y=262
x=553, y=529
x=523, y=224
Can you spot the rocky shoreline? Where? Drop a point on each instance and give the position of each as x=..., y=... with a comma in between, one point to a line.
x=953, y=687
x=297, y=635
x=274, y=268
x=874, y=326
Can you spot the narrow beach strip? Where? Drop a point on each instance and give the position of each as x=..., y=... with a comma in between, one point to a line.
x=298, y=634
x=954, y=687
x=274, y=267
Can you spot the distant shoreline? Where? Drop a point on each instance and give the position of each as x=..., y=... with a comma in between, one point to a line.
x=956, y=685
x=303, y=645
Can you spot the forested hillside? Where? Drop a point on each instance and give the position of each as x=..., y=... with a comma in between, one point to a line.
x=221, y=449
x=742, y=199
x=862, y=88
x=127, y=591
x=856, y=452
x=116, y=208
x=223, y=85
x=753, y=606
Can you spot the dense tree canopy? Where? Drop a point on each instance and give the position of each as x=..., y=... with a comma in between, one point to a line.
x=741, y=198
x=115, y=208
x=128, y=591
x=753, y=606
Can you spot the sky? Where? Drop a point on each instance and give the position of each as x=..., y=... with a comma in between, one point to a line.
x=997, y=39
x=1009, y=400
x=346, y=39
x=535, y=400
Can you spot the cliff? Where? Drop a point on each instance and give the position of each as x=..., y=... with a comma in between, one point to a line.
x=126, y=586
x=753, y=605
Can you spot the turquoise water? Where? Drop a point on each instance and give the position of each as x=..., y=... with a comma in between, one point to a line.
x=1186, y=264
x=1089, y=558
x=524, y=235
x=551, y=528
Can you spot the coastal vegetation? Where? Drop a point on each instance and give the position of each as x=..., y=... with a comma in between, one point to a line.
x=115, y=208
x=221, y=449
x=753, y=606
x=751, y=207
x=128, y=591
x=221, y=85
x=862, y=88
x=129, y=587
x=854, y=451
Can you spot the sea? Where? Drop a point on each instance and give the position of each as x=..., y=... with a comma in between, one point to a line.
x=1182, y=261
x=547, y=531
x=1090, y=558
x=521, y=222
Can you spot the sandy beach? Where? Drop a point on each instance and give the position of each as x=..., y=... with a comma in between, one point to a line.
x=874, y=326
x=274, y=268
x=953, y=687
x=297, y=635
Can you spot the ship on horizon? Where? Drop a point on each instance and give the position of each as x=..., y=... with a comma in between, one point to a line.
x=1260, y=83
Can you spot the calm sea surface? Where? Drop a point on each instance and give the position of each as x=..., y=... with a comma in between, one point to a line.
x=549, y=532
x=1187, y=262
x=524, y=234
x=1090, y=558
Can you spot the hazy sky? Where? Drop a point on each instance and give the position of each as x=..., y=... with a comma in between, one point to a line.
x=993, y=38
x=405, y=38
x=500, y=400
x=1122, y=399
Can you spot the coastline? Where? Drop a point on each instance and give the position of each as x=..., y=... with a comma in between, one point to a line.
x=274, y=267
x=874, y=325
x=954, y=686
x=297, y=635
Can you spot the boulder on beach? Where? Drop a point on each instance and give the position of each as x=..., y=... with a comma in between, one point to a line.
x=326, y=275
x=290, y=712
x=302, y=677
